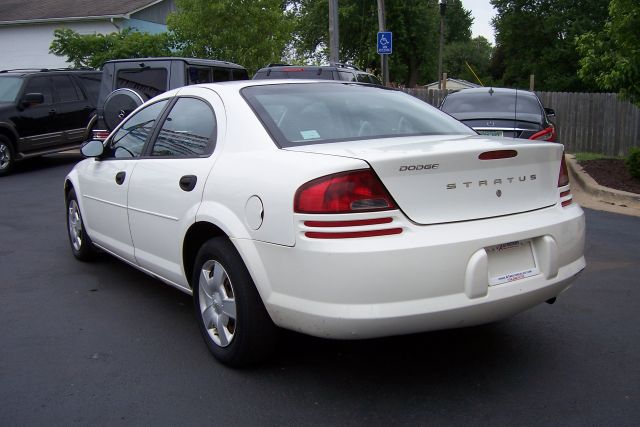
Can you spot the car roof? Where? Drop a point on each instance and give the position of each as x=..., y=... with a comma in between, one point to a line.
x=190, y=61
x=20, y=72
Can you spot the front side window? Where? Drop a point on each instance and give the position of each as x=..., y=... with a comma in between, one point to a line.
x=149, y=81
x=315, y=113
x=9, y=88
x=188, y=130
x=129, y=140
x=40, y=85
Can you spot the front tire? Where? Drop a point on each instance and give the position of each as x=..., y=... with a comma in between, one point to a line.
x=232, y=318
x=81, y=244
x=7, y=157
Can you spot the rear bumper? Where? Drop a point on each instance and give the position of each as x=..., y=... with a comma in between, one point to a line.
x=426, y=278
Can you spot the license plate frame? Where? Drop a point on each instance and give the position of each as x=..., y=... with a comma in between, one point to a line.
x=489, y=132
x=511, y=261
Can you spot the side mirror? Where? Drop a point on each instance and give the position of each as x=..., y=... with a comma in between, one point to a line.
x=550, y=112
x=93, y=148
x=32, y=99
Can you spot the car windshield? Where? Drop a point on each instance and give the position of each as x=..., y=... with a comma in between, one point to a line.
x=313, y=113
x=484, y=102
x=9, y=88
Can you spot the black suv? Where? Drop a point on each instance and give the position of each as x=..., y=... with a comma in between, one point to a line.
x=44, y=111
x=128, y=83
x=336, y=71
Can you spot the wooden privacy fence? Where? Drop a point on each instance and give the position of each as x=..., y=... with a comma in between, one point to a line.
x=593, y=122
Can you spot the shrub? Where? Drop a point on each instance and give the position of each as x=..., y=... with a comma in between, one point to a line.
x=633, y=162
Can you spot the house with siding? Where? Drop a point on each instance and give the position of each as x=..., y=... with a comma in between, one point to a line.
x=27, y=26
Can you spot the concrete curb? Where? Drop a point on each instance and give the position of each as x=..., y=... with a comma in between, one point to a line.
x=590, y=186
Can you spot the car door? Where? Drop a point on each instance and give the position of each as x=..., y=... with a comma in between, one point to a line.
x=73, y=110
x=34, y=122
x=106, y=180
x=166, y=188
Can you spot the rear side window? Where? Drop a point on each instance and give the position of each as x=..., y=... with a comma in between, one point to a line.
x=91, y=83
x=149, y=81
x=196, y=75
x=188, y=130
x=347, y=76
x=315, y=113
x=40, y=85
x=221, y=74
x=239, y=74
x=66, y=91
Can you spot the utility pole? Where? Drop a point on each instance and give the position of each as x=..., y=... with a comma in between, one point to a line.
x=384, y=59
x=334, y=33
x=443, y=8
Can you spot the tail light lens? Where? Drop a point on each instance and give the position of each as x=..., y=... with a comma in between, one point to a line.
x=548, y=134
x=563, y=181
x=346, y=192
x=100, y=134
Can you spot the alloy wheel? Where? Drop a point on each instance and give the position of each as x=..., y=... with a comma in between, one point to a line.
x=217, y=303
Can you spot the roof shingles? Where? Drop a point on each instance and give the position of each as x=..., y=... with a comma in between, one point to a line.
x=28, y=10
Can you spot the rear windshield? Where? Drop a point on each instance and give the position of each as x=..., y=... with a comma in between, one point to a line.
x=295, y=73
x=9, y=88
x=149, y=81
x=484, y=102
x=315, y=113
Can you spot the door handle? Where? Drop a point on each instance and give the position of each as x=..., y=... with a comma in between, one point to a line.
x=120, y=177
x=52, y=111
x=188, y=182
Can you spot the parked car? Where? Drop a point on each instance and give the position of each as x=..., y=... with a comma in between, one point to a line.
x=503, y=112
x=127, y=83
x=338, y=71
x=44, y=111
x=338, y=210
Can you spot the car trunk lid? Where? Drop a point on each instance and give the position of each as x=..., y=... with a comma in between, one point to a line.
x=437, y=179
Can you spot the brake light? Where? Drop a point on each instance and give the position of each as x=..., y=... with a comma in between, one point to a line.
x=100, y=134
x=563, y=181
x=548, y=134
x=346, y=192
x=498, y=154
x=293, y=70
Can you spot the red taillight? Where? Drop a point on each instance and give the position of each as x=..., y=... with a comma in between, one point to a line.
x=346, y=192
x=548, y=134
x=100, y=134
x=294, y=70
x=563, y=181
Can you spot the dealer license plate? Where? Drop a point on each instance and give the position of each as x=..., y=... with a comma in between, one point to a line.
x=511, y=261
x=491, y=132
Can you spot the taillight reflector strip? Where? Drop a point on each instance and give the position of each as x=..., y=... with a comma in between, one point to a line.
x=567, y=202
x=352, y=234
x=565, y=193
x=354, y=223
x=498, y=154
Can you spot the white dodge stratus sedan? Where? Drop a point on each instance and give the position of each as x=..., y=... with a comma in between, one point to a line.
x=335, y=209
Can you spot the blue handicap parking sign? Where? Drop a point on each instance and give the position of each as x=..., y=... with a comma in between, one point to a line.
x=385, y=42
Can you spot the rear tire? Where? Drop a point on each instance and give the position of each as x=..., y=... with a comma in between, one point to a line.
x=7, y=156
x=81, y=244
x=232, y=318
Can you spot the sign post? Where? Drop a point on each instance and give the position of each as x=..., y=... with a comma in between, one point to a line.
x=385, y=47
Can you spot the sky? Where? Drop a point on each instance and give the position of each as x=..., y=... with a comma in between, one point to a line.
x=482, y=12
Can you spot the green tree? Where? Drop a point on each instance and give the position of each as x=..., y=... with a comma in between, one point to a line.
x=537, y=37
x=610, y=58
x=476, y=53
x=93, y=50
x=251, y=33
x=415, y=25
